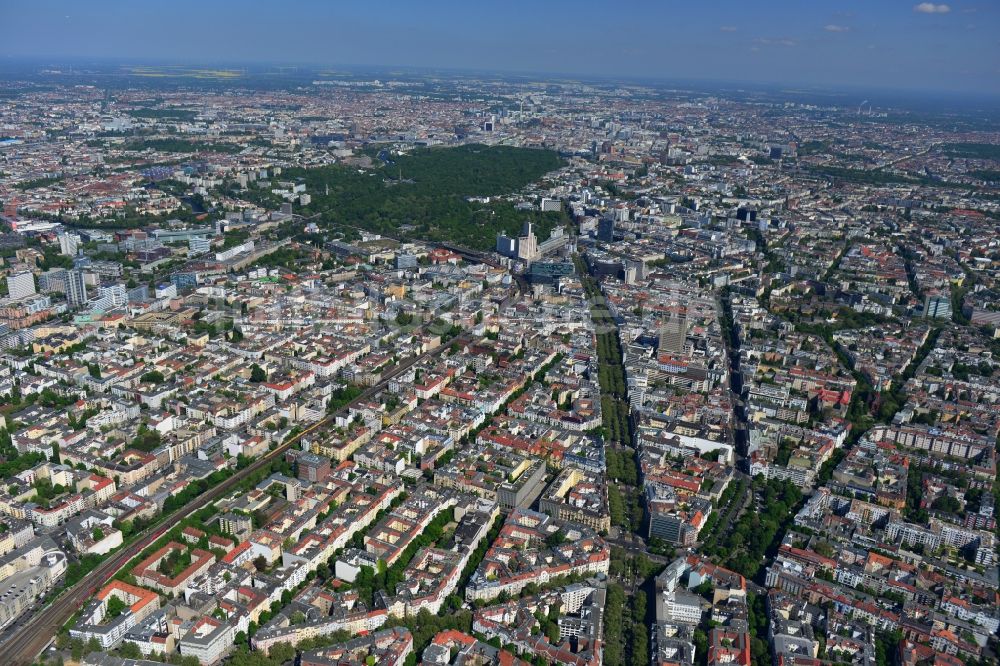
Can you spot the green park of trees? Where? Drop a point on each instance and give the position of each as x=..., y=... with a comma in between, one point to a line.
x=431, y=201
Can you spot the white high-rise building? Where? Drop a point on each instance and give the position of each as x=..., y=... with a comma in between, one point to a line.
x=198, y=246
x=21, y=285
x=527, y=243
x=116, y=294
x=53, y=280
x=76, y=288
x=69, y=244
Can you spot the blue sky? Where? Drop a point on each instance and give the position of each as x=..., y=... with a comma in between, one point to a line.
x=941, y=46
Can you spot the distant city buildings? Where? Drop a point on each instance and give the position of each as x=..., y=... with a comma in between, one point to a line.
x=748, y=382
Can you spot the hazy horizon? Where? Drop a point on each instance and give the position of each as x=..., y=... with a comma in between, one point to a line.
x=946, y=48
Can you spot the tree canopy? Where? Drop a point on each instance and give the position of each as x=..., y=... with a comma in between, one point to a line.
x=432, y=196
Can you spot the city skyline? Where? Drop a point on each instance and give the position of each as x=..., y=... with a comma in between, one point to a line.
x=933, y=47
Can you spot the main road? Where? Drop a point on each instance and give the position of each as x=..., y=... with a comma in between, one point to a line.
x=33, y=636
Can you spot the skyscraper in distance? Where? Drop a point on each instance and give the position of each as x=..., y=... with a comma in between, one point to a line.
x=606, y=229
x=527, y=243
x=69, y=244
x=673, y=334
x=76, y=288
x=20, y=285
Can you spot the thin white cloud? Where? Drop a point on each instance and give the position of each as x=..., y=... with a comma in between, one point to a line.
x=728, y=28
x=931, y=8
x=833, y=27
x=766, y=41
